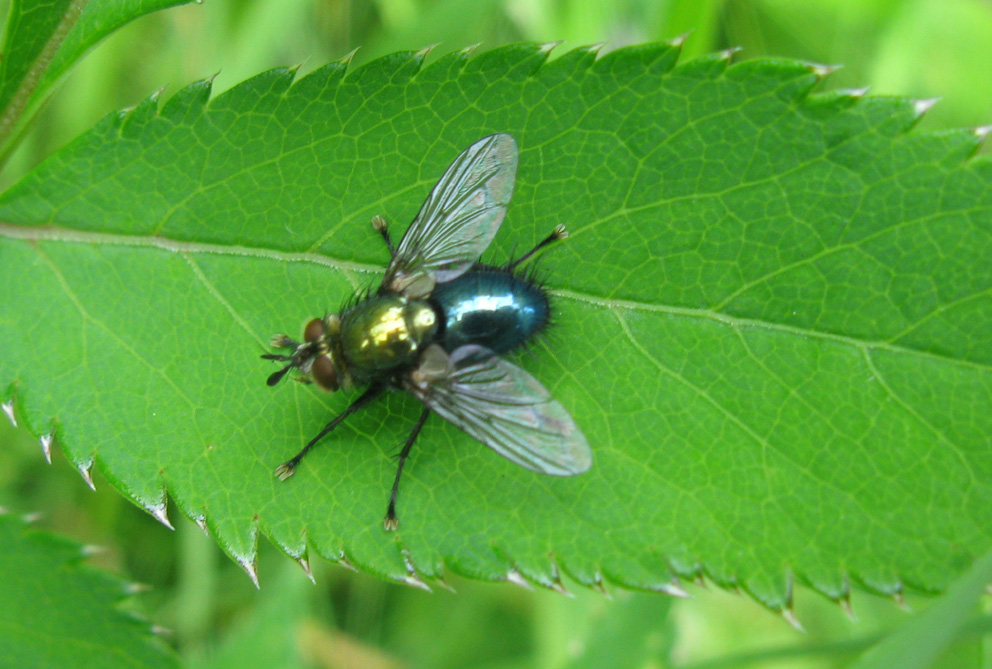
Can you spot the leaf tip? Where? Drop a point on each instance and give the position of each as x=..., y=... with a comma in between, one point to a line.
x=548, y=47
x=346, y=563
x=201, y=522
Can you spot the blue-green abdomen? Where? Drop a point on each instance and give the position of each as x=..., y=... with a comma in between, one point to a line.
x=490, y=308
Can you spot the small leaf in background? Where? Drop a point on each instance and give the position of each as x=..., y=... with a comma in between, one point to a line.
x=43, y=40
x=57, y=612
x=772, y=319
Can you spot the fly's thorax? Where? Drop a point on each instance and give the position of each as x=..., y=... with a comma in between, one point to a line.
x=384, y=333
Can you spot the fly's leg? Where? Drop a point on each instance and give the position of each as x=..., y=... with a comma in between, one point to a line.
x=391, y=522
x=286, y=469
x=560, y=232
x=380, y=226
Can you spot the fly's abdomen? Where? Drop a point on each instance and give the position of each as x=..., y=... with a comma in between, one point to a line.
x=489, y=308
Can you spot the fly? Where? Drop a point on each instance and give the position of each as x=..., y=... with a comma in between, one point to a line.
x=438, y=324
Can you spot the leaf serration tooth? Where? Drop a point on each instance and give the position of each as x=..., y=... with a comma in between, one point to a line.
x=135, y=588
x=679, y=40
x=8, y=410
x=982, y=131
x=88, y=550
x=424, y=51
x=555, y=583
x=85, y=470
x=348, y=57
x=250, y=565
x=923, y=105
x=46, y=446
x=442, y=582
x=789, y=616
x=159, y=511
x=304, y=563
x=728, y=54
x=467, y=51
x=845, y=606
x=516, y=578
x=822, y=71
x=412, y=578
x=855, y=92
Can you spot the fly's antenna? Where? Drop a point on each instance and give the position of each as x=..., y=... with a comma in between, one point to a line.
x=276, y=377
x=560, y=232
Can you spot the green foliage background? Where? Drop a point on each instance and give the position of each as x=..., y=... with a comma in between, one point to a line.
x=880, y=43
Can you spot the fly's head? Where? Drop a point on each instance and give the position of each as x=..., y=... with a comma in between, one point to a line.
x=314, y=358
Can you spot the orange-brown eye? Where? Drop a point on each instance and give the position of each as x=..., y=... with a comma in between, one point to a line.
x=324, y=374
x=313, y=331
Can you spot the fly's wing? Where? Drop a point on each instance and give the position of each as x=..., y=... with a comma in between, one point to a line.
x=504, y=407
x=459, y=218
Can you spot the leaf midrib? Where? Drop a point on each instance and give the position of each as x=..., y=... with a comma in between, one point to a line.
x=12, y=231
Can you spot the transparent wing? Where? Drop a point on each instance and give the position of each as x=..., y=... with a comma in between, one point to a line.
x=459, y=218
x=505, y=408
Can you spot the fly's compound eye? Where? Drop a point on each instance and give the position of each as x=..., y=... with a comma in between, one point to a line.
x=324, y=374
x=313, y=331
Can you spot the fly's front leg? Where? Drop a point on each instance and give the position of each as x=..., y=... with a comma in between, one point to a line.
x=391, y=522
x=288, y=468
x=380, y=226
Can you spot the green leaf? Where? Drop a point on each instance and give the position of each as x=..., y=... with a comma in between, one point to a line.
x=773, y=319
x=57, y=612
x=43, y=40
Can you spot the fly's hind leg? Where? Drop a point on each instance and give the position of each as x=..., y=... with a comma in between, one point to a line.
x=560, y=232
x=288, y=468
x=391, y=522
x=380, y=226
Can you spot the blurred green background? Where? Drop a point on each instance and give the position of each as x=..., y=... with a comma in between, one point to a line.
x=914, y=48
